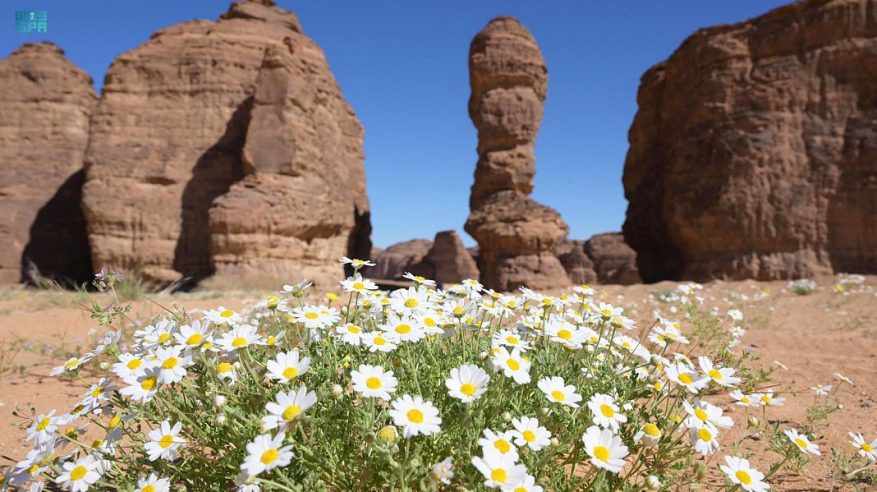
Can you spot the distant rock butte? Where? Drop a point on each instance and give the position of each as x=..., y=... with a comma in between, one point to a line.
x=516, y=235
x=393, y=261
x=754, y=150
x=447, y=261
x=45, y=104
x=603, y=259
x=226, y=147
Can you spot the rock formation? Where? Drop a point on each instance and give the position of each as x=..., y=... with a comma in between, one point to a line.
x=604, y=258
x=395, y=260
x=754, y=151
x=226, y=147
x=448, y=261
x=44, y=120
x=516, y=236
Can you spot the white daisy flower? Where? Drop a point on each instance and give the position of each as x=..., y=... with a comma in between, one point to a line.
x=513, y=365
x=43, y=428
x=649, y=434
x=222, y=315
x=141, y=387
x=419, y=280
x=685, y=375
x=153, y=483
x=723, y=376
x=767, y=399
x=406, y=330
x=380, y=341
x=566, y=334
x=240, y=337
x=467, y=382
x=165, y=442
x=355, y=262
x=265, y=453
x=287, y=366
x=350, y=333
x=529, y=433
x=802, y=442
x=867, y=450
x=71, y=365
x=557, y=391
x=373, y=382
x=407, y=301
x=358, y=284
x=129, y=365
x=821, y=390
x=702, y=413
x=443, y=471
x=740, y=473
x=525, y=484
x=511, y=339
x=605, y=449
x=316, y=317
x=502, y=443
x=415, y=416
x=171, y=364
x=498, y=469
x=704, y=438
x=606, y=413
x=744, y=400
x=287, y=407
x=79, y=475
x=193, y=335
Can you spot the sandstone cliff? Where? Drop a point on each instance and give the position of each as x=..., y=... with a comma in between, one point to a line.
x=44, y=121
x=754, y=151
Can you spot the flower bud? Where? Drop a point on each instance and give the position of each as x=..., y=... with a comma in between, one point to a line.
x=337, y=390
x=653, y=482
x=507, y=416
x=221, y=419
x=219, y=400
x=388, y=433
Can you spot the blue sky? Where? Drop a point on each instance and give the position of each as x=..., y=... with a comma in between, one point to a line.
x=402, y=65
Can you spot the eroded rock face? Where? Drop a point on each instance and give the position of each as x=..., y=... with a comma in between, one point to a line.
x=614, y=261
x=754, y=151
x=578, y=265
x=44, y=121
x=396, y=259
x=448, y=261
x=226, y=147
x=516, y=235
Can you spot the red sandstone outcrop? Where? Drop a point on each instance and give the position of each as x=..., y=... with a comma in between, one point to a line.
x=754, y=151
x=45, y=103
x=604, y=258
x=516, y=235
x=448, y=261
x=395, y=260
x=226, y=147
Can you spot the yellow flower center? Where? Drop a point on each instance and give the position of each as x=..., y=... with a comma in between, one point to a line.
x=520, y=489
x=166, y=441
x=499, y=475
x=228, y=313
x=502, y=445
x=558, y=395
x=33, y=469
x=379, y=341
x=704, y=434
x=701, y=414
x=606, y=312
x=269, y=456
x=512, y=340
x=169, y=363
x=429, y=322
x=765, y=399
x=652, y=430
x=607, y=411
x=358, y=286
x=148, y=488
x=513, y=364
x=353, y=329
x=97, y=392
x=411, y=303
x=467, y=389
x=70, y=364
x=115, y=421
x=290, y=372
x=223, y=367
x=134, y=364
x=312, y=315
x=78, y=472
x=801, y=443
x=745, y=399
x=744, y=477
x=528, y=435
x=403, y=329
x=867, y=447
x=715, y=374
x=387, y=433
x=565, y=334
x=148, y=383
x=164, y=337
x=601, y=453
x=415, y=415
x=685, y=378
x=194, y=339
x=291, y=412
x=373, y=383
x=97, y=443
x=458, y=310
x=239, y=342
x=43, y=424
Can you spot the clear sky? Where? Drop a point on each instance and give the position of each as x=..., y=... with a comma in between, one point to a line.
x=402, y=65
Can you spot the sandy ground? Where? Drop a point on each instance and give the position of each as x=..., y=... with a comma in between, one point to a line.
x=812, y=336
